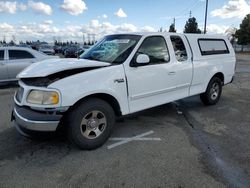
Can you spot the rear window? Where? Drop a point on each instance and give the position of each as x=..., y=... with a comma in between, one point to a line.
x=19, y=54
x=179, y=48
x=1, y=54
x=213, y=46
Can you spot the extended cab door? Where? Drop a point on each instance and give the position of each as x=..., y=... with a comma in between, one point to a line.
x=3, y=66
x=161, y=81
x=182, y=64
x=18, y=60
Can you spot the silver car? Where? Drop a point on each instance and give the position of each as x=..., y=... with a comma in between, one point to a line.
x=14, y=59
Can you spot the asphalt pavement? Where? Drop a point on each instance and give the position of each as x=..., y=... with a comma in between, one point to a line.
x=181, y=144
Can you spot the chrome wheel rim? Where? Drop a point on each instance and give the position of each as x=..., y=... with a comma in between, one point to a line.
x=215, y=91
x=93, y=124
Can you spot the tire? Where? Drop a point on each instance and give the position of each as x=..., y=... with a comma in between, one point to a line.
x=213, y=92
x=90, y=123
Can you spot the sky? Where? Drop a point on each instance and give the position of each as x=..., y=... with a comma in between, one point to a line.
x=79, y=20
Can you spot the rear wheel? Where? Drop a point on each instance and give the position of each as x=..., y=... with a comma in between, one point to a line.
x=213, y=92
x=90, y=123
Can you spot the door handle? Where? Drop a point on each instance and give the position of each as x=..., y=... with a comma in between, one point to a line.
x=171, y=73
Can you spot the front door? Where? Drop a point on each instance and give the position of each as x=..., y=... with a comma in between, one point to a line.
x=18, y=60
x=155, y=83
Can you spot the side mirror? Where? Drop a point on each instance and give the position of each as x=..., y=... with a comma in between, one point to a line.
x=142, y=59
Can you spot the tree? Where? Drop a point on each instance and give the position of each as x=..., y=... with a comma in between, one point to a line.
x=172, y=28
x=230, y=32
x=243, y=34
x=12, y=43
x=192, y=26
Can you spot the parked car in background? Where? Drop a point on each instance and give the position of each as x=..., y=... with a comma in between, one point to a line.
x=63, y=49
x=71, y=52
x=79, y=52
x=58, y=49
x=14, y=59
x=47, y=49
x=23, y=45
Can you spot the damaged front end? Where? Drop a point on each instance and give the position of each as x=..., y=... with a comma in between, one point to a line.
x=38, y=106
x=47, y=80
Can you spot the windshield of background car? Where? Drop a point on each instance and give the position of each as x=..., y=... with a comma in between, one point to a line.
x=112, y=49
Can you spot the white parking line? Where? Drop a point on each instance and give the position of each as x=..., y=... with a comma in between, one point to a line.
x=137, y=139
x=126, y=140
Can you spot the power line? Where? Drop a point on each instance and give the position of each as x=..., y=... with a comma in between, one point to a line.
x=195, y=4
x=188, y=8
x=195, y=8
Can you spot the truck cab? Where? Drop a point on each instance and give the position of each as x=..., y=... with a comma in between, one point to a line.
x=120, y=75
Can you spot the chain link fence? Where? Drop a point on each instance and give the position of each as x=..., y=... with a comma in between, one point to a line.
x=241, y=48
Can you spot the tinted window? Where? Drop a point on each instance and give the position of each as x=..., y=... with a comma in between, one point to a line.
x=213, y=46
x=1, y=54
x=19, y=54
x=155, y=48
x=179, y=48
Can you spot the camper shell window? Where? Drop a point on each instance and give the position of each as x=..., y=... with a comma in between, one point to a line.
x=213, y=46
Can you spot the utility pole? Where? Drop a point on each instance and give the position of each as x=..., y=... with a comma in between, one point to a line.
x=190, y=14
x=174, y=23
x=205, y=25
x=83, y=38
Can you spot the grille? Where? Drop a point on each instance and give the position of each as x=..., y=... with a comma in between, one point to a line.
x=19, y=94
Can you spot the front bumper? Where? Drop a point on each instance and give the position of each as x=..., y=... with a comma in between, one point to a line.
x=26, y=118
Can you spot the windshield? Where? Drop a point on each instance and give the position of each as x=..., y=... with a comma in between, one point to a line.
x=112, y=49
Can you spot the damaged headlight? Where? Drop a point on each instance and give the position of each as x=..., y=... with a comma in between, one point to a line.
x=43, y=97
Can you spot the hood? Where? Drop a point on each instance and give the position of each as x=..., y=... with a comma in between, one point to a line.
x=51, y=66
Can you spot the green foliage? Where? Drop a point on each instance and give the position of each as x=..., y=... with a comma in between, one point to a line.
x=243, y=34
x=172, y=28
x=192, y=26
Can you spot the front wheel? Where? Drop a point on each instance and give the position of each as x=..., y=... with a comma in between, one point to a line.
x=213, y=92
x=90, y=123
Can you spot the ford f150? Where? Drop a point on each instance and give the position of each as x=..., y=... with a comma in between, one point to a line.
x=120, y=75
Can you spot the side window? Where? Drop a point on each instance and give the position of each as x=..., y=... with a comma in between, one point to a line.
x=1, y=55
x=19, y=54
x=179, y=48
x=213, y=46
x=156, y=48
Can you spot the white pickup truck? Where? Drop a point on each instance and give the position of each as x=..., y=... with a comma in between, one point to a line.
x=120, y=75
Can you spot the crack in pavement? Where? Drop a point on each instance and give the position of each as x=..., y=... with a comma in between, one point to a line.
x=229, y=174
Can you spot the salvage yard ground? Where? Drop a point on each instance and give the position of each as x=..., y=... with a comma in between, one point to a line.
x=181, y=144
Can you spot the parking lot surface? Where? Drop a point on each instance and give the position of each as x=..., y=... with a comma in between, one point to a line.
x=181, y=144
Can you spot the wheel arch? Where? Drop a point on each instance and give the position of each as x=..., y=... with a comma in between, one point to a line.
x=219, y=75
x=111, y=100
